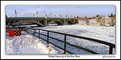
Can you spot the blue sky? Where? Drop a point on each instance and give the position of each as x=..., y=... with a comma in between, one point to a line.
x=70, y=10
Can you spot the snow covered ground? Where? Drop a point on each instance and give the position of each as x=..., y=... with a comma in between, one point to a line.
x=27, y=44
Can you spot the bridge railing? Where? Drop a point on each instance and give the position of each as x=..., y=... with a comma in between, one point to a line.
x=111, y=46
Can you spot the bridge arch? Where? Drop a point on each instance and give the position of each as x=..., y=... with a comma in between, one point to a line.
x=58, y=22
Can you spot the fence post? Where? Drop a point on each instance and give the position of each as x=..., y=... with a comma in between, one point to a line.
x=28, y=31
x=110, y=49
x=47, y=38
x=39, y=33
x=34, y=32
x=64, y=44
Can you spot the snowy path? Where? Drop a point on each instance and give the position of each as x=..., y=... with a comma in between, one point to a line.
x=26, y=44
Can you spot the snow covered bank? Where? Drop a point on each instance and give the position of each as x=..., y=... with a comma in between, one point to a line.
x=26, y=44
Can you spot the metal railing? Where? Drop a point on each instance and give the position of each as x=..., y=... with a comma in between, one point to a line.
x=34, y=32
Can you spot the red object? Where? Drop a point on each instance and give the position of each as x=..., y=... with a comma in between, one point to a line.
x=11, y=33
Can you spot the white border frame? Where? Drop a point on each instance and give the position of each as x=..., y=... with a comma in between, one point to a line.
x=4, y=3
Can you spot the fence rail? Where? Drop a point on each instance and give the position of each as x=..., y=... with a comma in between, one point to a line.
x=111, y=46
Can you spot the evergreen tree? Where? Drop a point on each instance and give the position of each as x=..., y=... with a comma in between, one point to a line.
x=111, y=15
x=97, y=15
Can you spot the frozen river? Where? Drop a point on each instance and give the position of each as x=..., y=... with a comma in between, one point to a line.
x=98, y=32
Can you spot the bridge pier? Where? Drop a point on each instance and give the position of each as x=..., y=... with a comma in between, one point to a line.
x=45, y=22
x=65, y=22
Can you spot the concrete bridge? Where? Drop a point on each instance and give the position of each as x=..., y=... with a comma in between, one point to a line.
x=41, y=21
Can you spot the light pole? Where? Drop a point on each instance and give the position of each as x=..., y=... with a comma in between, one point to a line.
x=15, y=13
x=46, y=16
x=33, y=14
x=36, y=13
